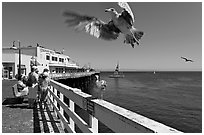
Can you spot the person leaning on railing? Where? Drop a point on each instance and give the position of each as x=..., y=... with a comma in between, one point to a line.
x=33, y=77
x=32, y=82
x=44, y=81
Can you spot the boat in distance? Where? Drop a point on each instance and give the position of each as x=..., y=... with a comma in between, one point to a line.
x=117, y=76
x=116, y=73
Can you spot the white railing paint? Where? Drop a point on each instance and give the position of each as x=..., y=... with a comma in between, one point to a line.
x=116, y=118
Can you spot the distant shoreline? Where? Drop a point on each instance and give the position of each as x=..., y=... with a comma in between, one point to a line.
x=145, y=71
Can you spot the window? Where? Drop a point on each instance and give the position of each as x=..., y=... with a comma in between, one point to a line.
x=61, y=59
x=47, y=57
x=54, y=58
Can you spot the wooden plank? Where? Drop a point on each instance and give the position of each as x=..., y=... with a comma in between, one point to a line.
x=77, y=119
x=93, y=122
x=74, y=94
x=61, y=108
x=121, y=120
x=71, y=108
x=54, y=101
x=63, y=119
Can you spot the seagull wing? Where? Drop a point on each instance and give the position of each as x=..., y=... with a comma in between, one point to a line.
x=127, y=13
x=184, y=58
x=187, y=59
x=91, y=25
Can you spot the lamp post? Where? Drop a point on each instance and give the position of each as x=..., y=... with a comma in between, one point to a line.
x=19, y=48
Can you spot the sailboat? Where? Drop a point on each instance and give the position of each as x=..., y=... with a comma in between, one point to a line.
x=116, y=73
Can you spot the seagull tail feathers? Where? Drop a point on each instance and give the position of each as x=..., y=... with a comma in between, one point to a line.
x=134, y=38
x=137, y=34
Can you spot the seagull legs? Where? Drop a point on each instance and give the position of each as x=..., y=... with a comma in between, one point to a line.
x=131, y=40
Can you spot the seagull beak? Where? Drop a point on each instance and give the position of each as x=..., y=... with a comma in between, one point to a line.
x=107, y=10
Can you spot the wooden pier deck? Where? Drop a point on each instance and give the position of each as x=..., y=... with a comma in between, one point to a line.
x=18, y=118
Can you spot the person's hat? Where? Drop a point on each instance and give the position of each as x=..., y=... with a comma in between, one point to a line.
x=45, y=70
x=34, y=67
x=45, y=74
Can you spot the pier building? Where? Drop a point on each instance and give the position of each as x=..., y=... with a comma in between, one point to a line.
x=42, y=57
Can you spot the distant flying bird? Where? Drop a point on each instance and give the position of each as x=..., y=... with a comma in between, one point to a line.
x=119, y=23
x=187, y=60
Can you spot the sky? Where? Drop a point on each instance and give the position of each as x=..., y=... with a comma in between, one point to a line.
x=172, y=30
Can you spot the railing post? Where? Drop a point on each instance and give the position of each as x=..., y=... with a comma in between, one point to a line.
x=61, y=109
x=71, y=122
x=52, y=98
x=54, y=101
x=49, y=96
x=93, y=123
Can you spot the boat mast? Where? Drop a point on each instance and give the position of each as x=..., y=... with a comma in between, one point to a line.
x=117, y=67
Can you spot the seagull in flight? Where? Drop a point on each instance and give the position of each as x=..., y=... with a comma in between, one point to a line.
x=120, y=23
x=187, y=60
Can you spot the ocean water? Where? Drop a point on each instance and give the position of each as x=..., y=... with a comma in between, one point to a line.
x=172, y=98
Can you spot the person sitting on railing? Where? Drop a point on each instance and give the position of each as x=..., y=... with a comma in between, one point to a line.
x=22, y=88
x=43, y=84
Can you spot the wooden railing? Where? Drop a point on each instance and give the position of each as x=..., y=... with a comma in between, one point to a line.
x=114, y=117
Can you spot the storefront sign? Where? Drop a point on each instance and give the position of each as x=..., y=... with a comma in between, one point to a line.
x=45, y=50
